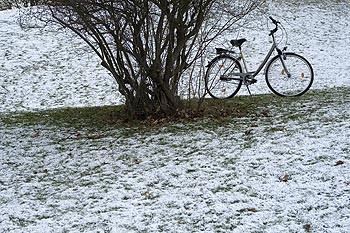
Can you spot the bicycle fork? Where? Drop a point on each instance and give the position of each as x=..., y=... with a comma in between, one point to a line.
x=282, y=58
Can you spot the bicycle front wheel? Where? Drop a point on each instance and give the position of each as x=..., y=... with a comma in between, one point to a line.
x=221, y=80
x=293, y=79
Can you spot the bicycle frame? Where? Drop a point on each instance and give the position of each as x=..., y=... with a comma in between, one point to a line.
x=262, y=65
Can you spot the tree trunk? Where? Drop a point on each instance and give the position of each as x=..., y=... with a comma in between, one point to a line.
x=160, y=103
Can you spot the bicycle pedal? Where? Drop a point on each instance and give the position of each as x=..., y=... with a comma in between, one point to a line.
x=250, y=81
x=224, y=78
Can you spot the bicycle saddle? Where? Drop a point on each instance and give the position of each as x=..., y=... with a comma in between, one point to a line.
x=238, y=43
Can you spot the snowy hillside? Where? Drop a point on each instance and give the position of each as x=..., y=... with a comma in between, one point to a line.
x=46, y=68
x=284, y=168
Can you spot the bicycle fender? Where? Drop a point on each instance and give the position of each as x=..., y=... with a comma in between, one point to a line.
x=220, y=56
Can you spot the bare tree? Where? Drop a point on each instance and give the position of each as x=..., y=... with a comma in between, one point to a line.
x=147, y=44
x=6, y=4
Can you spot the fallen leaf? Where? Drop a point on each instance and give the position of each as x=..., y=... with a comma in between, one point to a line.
x=265, y=112
x=252, y=210
x=339, y=163
x=284, y=178
x=307, y=227
x=136, y=161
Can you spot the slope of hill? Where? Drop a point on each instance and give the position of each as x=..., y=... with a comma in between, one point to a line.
x=47, y=68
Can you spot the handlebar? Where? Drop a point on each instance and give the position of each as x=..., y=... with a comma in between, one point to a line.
x=274, y=21
x=276, y=24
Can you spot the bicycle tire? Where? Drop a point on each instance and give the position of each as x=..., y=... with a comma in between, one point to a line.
x=300, y=81
x=215, y=86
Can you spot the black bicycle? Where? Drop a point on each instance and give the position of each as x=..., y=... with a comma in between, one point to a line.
x=286, y=74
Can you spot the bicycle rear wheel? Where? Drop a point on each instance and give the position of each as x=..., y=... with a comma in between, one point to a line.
x=220, y=83
x=300, y=79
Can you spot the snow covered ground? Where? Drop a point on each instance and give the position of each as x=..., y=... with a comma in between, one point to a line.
x=43, y=68
x=200, y=177
x=181, y=178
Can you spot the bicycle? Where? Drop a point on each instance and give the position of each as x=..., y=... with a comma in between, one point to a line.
x=286, y=74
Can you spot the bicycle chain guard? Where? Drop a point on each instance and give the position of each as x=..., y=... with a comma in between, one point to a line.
x=249, y=80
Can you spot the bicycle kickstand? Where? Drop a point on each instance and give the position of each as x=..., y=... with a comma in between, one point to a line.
x=248, y=90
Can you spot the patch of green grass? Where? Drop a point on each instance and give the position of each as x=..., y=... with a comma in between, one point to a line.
x=91, y=117
x=212, y=113
x=222, y=189
x=22, y=222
